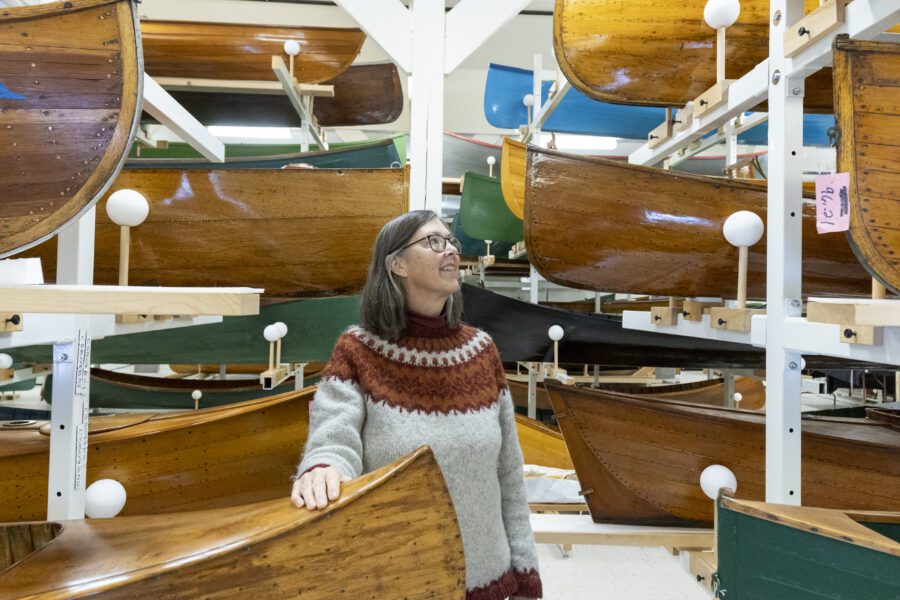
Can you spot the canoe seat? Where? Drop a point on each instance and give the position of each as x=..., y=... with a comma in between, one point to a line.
x=18, y=541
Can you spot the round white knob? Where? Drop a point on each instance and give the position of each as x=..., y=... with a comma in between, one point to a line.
x=291, y=48
x=556, y=333
x=104, y=499
x=196, y=394
x=127, y=207
x=715, y=477
x=491, y=160
x=282, y=329
x=272, y=333
x=743, y=228
x=6, y=361
x=738, y=396
x=528, y=100
x=802, y=363
x=721, y=13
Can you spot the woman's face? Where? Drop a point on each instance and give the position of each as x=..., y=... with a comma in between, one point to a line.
x=425, y=271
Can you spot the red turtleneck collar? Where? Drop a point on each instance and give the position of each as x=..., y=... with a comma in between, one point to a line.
x=419, y=325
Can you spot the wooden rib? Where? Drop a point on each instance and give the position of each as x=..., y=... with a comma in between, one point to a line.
x=179, y=461
x=363, y=95
x=643, y=457
x=392, y=534
x=512, y=175
x=78, y=69
x=662, y=54
x=298, y=233
x=597, y=224
x=541, y=445
x=229, y=51
x=867, y=109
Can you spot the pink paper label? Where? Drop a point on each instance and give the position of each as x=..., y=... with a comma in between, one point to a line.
x=833, y=202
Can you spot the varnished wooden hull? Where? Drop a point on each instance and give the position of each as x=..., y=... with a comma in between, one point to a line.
x=231, y=51
x=392, y=534
x=767, y=550
x=512, y=175
x=363, y=95
x=867, y=108
x=662, y=54
x=296, y=233
x=596, y=224
x=70, y=83
x=170, y=462
x=643, y=458
x=542, y=445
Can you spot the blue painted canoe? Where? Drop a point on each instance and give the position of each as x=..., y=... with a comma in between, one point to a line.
x=578, y=114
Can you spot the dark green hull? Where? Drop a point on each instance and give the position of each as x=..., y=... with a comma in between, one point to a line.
x=483, y=213
x=759, y=559
x=378, y=154
x=313, y=327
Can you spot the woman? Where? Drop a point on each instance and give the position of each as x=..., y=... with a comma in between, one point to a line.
x=410, y=375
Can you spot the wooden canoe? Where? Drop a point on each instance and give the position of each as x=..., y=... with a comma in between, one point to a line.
x=512, y=175
x=363, y=95
x=662, y=54
x=169, y=462
x=597, y=224
x=231, y=51
x=642, y=457
x=483, y=213
x=770, y=550
x=392, y=534
x=296, y=233
x=389, y=152
x=70, y=83
x=314, y=325
x=542, y=445
x=867, y=106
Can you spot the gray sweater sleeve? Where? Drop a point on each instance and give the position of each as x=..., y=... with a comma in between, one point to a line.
x=512, y=491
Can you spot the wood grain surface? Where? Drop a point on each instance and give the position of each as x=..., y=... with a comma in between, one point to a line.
x=867, y=110
x=191, y=460
x=597, y=224
x=231, y=51
x=296, y=233
x=70, y=79
x=392, y=534
x=643, y=457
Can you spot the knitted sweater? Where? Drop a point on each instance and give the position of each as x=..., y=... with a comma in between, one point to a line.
x=378, y=401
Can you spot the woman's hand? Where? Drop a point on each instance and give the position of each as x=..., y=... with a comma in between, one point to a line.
x=316, y=488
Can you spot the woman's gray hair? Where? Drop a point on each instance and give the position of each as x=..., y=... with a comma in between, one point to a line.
x=382, y=309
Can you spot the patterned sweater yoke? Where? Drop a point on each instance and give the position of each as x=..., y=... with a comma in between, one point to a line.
x=378, y=401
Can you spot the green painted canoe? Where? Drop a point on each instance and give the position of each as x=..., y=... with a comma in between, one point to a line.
x=473, y=247
x=375, y=154
x=800, y=553
x=313, y=327
x=483, y=212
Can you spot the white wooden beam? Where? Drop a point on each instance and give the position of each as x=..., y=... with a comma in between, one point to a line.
x=307, y=118
x=387, y=22
x=241, y=86
x=470, y=23
x=163, y=107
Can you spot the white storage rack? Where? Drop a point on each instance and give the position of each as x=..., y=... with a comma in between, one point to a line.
x=782, y=331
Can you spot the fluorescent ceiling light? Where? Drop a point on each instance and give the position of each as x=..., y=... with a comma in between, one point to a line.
x=568, y=141
x=264, y=133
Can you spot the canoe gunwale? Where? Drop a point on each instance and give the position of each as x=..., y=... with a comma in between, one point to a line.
x=131, y=95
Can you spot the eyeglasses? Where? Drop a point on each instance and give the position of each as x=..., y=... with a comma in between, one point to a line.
x=438, y=243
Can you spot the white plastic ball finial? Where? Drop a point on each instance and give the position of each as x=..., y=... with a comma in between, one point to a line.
x=127, y=207
x=556, y=333
x=721, y=13
x=282, y=329
x=291, y=48
x=196, y=394
x=802, y=363
x=272, y=333
x=715, y=477
x=738, y=396
x=6, y=361
x=104, y=499
x=743, y=228
x=528, y=100
x=491, y=160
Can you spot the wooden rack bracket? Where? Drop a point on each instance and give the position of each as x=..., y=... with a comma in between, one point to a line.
x=732, y=319
x=860, y=322
x=11, y=322
x=693, y=310
x=712, y=97
x=659, y=135
x=272, y=378
x=814, y=26
x=664, y=316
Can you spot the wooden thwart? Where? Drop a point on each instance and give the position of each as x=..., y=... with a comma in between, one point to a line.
x=580, y=529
